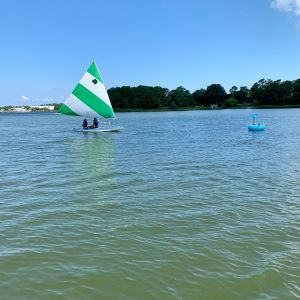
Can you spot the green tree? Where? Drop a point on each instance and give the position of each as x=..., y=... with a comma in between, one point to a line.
x=233, y=91
x=181, y=97
x=199, y=97
x=231, y=102
x=215, y=94
x=266, y=92
x=242, y=95
x=145, y=97
x=295, y=97
x=121, y=97
x=173, y=105
x=286, y=90
x=255, y=91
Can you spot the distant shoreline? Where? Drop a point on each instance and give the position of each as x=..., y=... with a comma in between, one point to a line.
x=206, y=108
x=165, y=109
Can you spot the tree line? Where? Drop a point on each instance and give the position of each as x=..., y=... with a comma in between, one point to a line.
x=262, y=93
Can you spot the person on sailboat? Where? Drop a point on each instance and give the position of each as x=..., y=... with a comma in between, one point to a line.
x=95, y=123
x=85, y=124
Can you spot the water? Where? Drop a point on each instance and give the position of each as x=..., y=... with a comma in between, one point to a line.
x=178, y=205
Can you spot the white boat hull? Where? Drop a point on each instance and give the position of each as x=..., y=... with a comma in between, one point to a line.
x=101, y=129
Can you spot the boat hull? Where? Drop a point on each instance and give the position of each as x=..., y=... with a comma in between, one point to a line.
x=100, y=130
x=103, y=129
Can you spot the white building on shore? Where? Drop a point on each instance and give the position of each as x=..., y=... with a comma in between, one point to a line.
x=41, y=107
x=27, y=108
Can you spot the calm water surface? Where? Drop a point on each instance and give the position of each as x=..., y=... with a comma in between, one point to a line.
x=179, y=205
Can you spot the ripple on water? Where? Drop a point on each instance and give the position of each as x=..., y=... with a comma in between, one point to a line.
x=173, y=208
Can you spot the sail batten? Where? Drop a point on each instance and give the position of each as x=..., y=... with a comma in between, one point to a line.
x=89, y=98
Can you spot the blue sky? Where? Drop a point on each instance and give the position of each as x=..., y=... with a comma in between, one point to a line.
x=46, y=45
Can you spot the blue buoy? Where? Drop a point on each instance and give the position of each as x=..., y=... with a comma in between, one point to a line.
x=257, y=127
x=254, y=126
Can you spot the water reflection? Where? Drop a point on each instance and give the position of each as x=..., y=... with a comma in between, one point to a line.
x=92, y=159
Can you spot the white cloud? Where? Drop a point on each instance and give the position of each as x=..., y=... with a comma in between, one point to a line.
x=287, y=5
x=25, y=98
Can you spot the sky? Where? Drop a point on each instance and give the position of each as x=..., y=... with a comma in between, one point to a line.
x=47, y=45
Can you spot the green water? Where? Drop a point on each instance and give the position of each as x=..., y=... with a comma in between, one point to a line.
x=179, y=205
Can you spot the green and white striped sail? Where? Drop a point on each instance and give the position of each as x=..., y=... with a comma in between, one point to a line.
x=89, y=98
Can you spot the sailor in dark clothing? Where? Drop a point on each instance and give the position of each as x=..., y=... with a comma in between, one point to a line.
x=95, y=123
x=85, y=124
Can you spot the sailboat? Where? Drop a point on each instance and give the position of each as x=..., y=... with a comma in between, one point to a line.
x=89, y=99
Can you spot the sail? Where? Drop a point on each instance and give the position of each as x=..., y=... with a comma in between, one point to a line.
x=89, y=98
